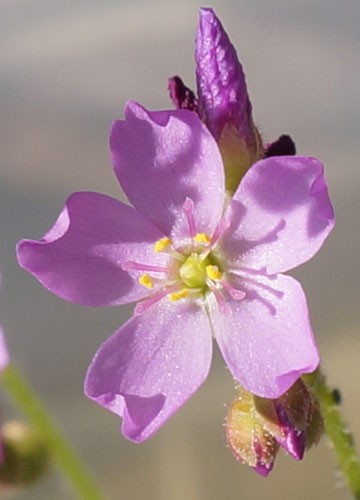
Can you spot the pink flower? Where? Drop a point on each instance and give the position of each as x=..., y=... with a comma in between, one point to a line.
x=199, y=265
x=4, y=353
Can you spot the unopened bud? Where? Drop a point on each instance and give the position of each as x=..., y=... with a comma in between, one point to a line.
x=247, y=437
x=25, y=455
x=224, y=104
x=181, y=96
x=255, y=427
x=288, y=417
x=283, y=146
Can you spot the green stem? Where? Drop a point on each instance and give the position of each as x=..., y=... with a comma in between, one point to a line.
x=338, y=434
x=62, y=452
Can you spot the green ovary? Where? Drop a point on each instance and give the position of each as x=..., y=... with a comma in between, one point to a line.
x=193, y=271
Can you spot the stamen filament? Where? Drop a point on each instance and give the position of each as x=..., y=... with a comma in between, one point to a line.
x=145, y=304
x=221, y=227
x=176, y=255
x=188, y=208
x=137, y=266
x=223, y=306
x=233, y=292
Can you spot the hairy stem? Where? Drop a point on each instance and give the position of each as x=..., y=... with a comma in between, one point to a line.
x=65, y=457
x=338, y=432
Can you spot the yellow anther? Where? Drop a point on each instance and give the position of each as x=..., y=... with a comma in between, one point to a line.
x=213, y=272
x=145, y=280
x=202, y=238
x=179, y=295
x=161, y=244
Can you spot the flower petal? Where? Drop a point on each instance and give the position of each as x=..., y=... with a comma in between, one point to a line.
x=281, y=214
x=80, y=258
x=146, y=370
x=4, y=353
x=163, y=157
x=266, y=339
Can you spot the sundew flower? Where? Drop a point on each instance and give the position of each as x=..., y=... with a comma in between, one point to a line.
x=4, y=361
x=199, y=265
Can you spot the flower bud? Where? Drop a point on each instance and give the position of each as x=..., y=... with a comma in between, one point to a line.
x=181, y=96
x=25, y=455
x=224, y=104
x=283, y=146
x=255, y=426
x=247, y=437
x=287, y=418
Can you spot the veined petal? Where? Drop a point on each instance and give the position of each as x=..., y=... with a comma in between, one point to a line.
x=163, y=157
x=146, y=370
x=266, y=339
x=281, y=214
x=80, y=258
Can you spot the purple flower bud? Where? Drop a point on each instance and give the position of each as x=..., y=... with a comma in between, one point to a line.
x=182, y=96
x=292, y=439
x=284, y=146
x=248, y=439
x=224, y=104
x=294, y=419
x=221, y=83
x=294, y=412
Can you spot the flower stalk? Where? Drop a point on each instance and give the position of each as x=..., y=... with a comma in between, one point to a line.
x=337, y=432
x=65, y=457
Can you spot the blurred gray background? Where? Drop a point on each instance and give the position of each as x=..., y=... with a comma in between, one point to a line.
x=67, y=68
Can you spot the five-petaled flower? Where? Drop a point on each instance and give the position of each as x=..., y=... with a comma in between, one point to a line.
x=198, y=263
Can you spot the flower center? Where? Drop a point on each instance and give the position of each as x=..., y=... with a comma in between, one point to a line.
x=193, y=271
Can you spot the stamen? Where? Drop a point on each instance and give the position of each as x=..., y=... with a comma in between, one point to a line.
x=176, y=255
x=146, y=281
x=161, y=244
x=137, y=266
x=145, y=304
x=223, y=306
x=221, y=227
x=179, y=295
x=188, y=208
x=233, y=292
x=213, y=272
x=202, y=238
x=194, y=291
